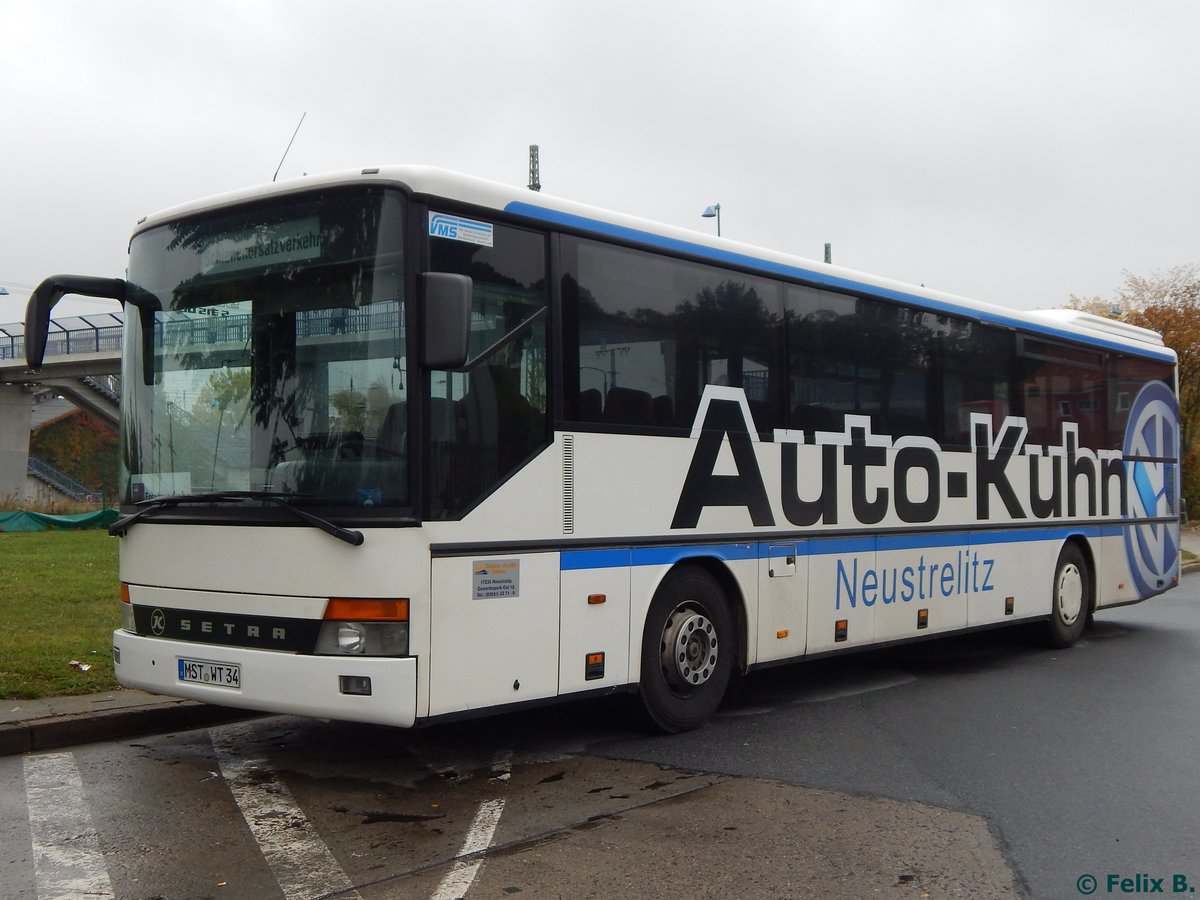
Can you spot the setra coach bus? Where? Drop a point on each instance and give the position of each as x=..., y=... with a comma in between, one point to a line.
x=400, y=445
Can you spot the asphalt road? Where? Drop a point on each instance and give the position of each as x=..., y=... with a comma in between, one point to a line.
x=976, y=767
x=1084, y=761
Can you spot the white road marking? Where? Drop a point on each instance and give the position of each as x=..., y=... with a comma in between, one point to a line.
x=458, y=879
x=479, y=837
x=302, y=864
x=66, y=848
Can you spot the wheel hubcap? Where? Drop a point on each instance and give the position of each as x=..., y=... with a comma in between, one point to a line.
x=1070, y=594
x=689, y=648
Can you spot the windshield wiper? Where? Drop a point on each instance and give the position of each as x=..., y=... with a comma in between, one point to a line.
x=146, y=507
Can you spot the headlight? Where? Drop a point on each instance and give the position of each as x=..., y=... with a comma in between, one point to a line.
x=363, y=639
x=364, y=628
x=351, y=637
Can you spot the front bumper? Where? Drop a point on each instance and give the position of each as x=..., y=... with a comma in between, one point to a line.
x=272, y=681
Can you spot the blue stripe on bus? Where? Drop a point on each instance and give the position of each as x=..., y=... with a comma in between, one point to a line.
x=979, y=538
x=571, y=560
x=651, y=556
x=621, y=232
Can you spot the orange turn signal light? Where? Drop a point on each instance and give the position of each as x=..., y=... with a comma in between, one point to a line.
x=342, y=609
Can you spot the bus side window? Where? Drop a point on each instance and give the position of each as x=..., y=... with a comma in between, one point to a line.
x=646, y=333
x=976, y=370
x=627, y=406
x=591, y=405
x=1063, y=384
x=1127, y=376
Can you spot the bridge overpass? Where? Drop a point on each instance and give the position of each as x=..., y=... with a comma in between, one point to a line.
x=82, y=355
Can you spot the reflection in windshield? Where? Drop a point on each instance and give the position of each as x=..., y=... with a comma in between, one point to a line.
x=279, y=357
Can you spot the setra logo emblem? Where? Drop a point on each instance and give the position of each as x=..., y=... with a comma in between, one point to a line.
x=1152, y=449
x=158, y=622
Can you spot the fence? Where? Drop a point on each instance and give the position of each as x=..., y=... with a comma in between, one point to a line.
x=77, y=334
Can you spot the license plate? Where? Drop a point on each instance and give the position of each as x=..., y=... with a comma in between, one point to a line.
x=199, y=671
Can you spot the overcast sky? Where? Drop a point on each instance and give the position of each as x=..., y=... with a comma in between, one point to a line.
x=1015, y=151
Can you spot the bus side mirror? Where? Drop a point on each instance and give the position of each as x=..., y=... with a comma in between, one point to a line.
x=47, y=294
x=447, y=319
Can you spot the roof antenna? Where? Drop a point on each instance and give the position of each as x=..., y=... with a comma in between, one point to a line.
x=289, y=146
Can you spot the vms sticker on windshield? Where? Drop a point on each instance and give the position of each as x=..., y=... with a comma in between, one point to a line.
x=456, y=228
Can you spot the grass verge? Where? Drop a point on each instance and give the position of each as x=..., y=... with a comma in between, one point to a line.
x=58, y=604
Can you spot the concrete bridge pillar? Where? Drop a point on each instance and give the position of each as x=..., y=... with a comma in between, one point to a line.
x=16, y=417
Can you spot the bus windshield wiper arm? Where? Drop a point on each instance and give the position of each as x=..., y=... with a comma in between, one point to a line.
x=120, y=526
x=145, y=507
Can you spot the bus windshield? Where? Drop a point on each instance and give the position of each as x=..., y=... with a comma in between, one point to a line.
x=277, y=359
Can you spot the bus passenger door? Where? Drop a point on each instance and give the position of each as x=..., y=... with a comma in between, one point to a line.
x=782, y=601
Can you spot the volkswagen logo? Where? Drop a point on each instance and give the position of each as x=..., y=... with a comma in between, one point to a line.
x=158, y=622
x=1152, y=446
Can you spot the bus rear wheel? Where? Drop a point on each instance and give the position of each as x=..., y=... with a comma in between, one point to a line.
x=687, y=651
x=1071, y=597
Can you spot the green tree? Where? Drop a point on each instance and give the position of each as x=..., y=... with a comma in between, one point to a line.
x=225, y=389
x=1169, y=303
x=350, y=409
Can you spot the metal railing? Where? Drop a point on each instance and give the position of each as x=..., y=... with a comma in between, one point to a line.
x=107, y=386
x=83, y=340
x=60, y=480
x=12, y=346
x=76, y=334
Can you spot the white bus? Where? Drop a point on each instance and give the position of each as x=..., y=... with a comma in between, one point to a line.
x=400, y=446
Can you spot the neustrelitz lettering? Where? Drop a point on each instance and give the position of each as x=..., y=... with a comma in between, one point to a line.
x=934, y=579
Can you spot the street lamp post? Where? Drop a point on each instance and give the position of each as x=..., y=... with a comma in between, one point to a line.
x=714, y=210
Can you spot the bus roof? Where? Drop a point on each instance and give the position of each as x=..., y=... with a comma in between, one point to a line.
x=547, y=209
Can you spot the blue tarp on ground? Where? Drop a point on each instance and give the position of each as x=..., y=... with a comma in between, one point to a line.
x=20, y=520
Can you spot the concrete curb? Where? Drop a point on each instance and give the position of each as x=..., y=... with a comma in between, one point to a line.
x=54, y=732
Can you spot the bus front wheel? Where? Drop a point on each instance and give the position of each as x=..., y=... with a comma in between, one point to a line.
x=687, y=651
x=1071, y=599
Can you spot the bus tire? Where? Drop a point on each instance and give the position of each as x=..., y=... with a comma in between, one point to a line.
x=688, y=651
x=1070, y=597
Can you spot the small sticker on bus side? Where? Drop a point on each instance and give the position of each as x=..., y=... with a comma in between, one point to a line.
x=456, y=228
x=496, y=578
